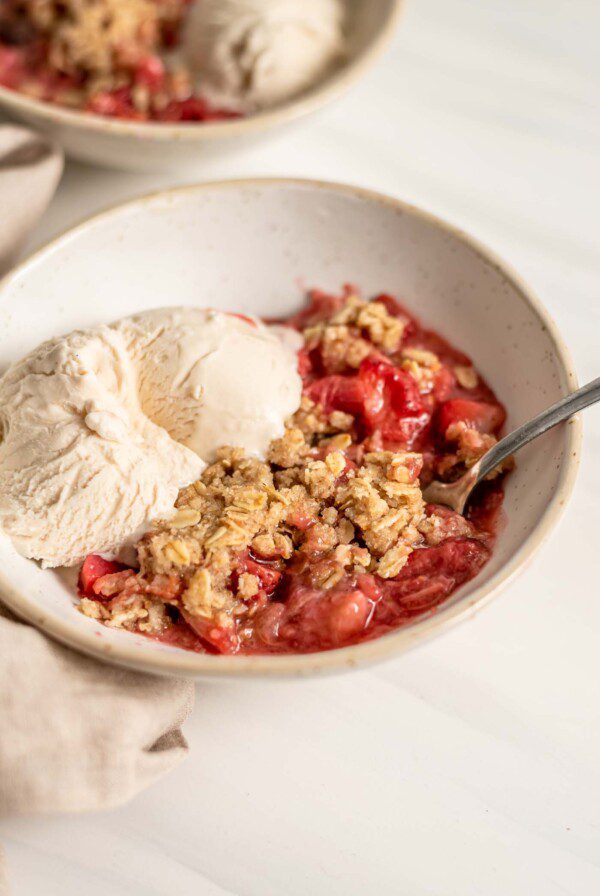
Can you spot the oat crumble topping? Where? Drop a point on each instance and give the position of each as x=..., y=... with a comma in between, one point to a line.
x=467, y=376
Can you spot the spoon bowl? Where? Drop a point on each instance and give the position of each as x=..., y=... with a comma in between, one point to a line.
x=456, y=494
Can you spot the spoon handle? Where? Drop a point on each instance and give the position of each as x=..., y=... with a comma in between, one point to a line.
x=560, y=411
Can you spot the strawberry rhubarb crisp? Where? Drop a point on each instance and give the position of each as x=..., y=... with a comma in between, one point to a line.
x=109, y=57
x=168, y=60
x=328, y=541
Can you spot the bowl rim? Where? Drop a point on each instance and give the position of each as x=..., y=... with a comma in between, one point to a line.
x=331, y=87
x=192, y=664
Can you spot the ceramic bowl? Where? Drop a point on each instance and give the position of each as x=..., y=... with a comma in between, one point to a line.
x=146, y=146
x=252, y=246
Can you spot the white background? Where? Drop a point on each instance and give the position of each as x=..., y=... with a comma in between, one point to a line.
x=471, y=765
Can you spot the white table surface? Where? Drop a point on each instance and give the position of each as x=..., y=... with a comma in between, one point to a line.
x=469, y=766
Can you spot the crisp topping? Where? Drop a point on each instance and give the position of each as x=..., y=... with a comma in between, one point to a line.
x=466, y=376
x=348, y=336
x=470, y=446
x=363, y=518
x=95, y=37
x=384, y=501
x=312, y=420
x=422, y=366
x=290, y=449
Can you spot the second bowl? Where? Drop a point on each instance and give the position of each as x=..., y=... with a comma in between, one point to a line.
x=154, y=146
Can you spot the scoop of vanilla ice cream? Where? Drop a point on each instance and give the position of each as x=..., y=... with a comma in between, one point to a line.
x=251, y=54
x=100, y=429
x=212, y=379
x=82, y=468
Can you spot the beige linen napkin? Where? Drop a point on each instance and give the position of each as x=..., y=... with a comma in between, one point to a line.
x=75, y=734
x=3, y=877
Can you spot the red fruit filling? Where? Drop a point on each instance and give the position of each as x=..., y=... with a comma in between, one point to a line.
x=482, y=416
x=95, y=568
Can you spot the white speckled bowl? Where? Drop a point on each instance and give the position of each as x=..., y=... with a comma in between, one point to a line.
x=249, y=246
x=153, y=146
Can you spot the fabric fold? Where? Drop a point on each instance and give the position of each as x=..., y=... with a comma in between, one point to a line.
x=76, y=734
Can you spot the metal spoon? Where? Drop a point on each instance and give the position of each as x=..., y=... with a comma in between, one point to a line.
x=456, y=494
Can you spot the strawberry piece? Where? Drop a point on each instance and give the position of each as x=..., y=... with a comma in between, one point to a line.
x=179, y=634
x=405, y=432
x=114, y=104
x=108, y=586
x=388, y=388
x=421, y=593
x=432, y=573
x=348, y=614
x=479, y=415
x=304, y=362
x=103, y=103
x=12, y=66
x=443, y=384
x=95, y=567
x=370, y=586
x=311, y=619
x=338, y=393
x=299, y=519
x=268, y=577
x=218, y=637
x=393, y=405
x=150, y=73
x=195, y=108
x=384, y=397
x=190, y=109
x=457, y=558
